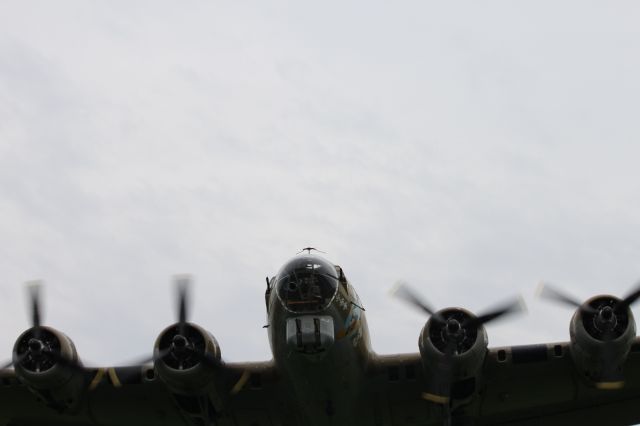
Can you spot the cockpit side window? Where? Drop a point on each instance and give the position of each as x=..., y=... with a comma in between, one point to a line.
x=342, y=278
x=267, y=293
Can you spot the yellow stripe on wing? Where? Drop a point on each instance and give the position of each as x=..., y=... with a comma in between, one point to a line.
x=609, y=385
x=438, y=399
x=115, y=381
x=97, y=379
x=241, y=382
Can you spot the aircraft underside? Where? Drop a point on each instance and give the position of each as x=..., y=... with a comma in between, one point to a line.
x=324, y=372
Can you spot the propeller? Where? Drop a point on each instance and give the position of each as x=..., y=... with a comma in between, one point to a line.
x=455, y=328
x=184, y=346
x=42, y=349
x=405, y=293
x=606, y=313
x=607, y=319
x=549, y=292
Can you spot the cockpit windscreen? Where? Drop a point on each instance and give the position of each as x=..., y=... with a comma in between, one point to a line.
x=307, y=284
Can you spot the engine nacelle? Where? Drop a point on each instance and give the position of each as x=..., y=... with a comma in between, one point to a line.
x=184, y=358
x=46, y=361
x=468, y=353
x=600, y=333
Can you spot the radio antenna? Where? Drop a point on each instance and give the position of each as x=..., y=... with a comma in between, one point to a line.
x=308, y=250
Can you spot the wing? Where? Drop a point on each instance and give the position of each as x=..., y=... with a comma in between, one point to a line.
x=519, y=385
x=244, y=394
x=540, y=384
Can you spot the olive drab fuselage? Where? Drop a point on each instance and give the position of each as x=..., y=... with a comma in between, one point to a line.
x=319, y=339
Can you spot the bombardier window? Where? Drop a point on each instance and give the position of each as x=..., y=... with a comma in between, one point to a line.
x=307, y=284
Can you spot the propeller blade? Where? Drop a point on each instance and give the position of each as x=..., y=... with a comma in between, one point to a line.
x=402, y=291
x=546, y=291
x=443, y=380
x=149, y=358
x=145, y=360
x=17, y=361
x=611, y=374
x=66, y=363
x=161, y=354
x=515, y=306
x=35, y=288
x=128, y=371
x=205, y=358
x=629, y=300
x=182, y=284
x=440, y=387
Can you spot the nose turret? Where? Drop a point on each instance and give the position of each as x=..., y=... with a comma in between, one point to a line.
x=306, y=284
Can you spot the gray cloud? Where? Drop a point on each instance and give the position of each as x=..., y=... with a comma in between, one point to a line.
x=472, y=150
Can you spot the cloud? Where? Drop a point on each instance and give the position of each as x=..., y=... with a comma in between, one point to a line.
x=470, y=150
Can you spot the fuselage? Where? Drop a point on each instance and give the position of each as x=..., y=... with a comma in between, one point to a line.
x=319, y=338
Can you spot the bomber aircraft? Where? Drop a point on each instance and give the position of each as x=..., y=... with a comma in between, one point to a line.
x=324, y=372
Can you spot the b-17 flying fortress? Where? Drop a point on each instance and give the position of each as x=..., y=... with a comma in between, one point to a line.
x=324, y=372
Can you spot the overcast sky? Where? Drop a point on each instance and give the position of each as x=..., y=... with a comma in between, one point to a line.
x=471, y=148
